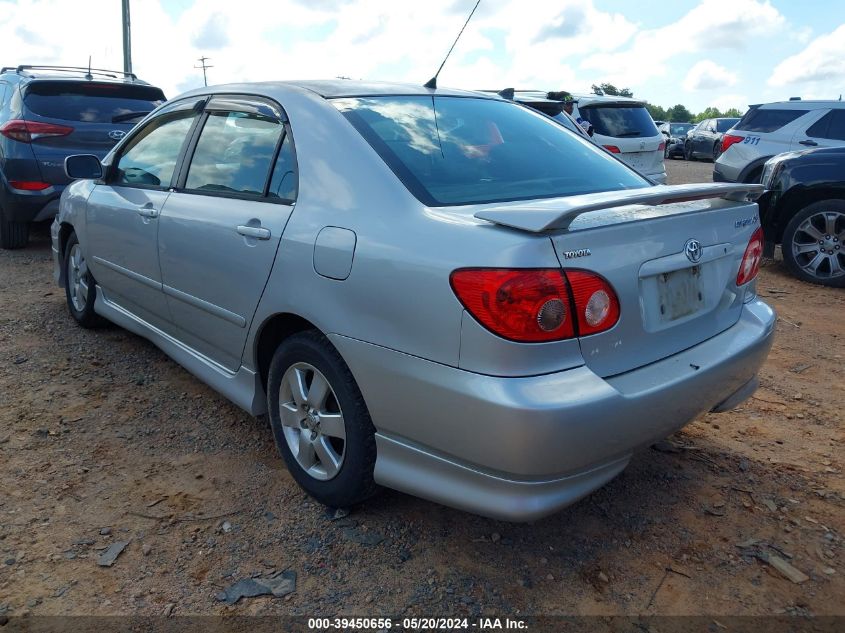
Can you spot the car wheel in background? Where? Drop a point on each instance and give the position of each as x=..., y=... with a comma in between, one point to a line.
x=666, y=152
x=717, y=151
x=80, y=287
x=754, y=176
x=13, y=234
x=320, y=422
x=813, y=243
x=688, y=152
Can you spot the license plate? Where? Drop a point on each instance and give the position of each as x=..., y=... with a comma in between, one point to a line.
x=680, y=293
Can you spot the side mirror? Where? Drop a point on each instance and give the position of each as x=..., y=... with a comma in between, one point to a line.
x=83, y=167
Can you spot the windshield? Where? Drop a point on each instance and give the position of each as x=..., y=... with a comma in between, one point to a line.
x=679, y=129
x=620, y=120
x=452, y=150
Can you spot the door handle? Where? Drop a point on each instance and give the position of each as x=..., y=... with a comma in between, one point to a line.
x=258, y=232
x=809, y=142
x=148, y=212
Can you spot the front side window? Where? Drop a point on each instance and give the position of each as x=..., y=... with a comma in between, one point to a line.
x=234, y=153
x=453, y=150
x=620, y=120
x=150, y=159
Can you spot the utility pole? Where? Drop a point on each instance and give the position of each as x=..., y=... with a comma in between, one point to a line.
x=127, y=39
x=202, y=61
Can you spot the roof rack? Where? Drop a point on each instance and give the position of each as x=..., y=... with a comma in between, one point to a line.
x=88, y=72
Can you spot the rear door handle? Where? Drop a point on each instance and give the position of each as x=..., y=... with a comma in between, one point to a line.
x=148, y=212
x=258, y=232
x=808, y=142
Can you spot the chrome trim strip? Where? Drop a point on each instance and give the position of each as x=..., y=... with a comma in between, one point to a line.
x=141, y=279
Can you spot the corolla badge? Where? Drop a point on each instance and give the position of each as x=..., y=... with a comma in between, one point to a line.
x=693, y=250
x=116, y=135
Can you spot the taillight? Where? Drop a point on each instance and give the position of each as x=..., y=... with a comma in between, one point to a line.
x=612, y=149
x=597, y=306
x=534, y=305
x=28, y=131
x=661, y=147
x=750, y=265
x=730, y=139
x=526, y=305
x=29, y=185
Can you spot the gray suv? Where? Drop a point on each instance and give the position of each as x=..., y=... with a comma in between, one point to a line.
x=48, y=113
x=438, y=291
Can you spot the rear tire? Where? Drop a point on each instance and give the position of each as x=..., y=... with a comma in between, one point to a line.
x=13, y=235
x=688, y=155
x=80, y=287
x=717, y=151
x=320, y=422
x=812, y=243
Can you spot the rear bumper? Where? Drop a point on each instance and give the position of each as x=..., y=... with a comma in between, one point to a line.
x=659, y=178
x=521, y=448
x=30, y=206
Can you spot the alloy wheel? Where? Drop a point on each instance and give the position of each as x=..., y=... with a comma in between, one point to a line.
x=312, y=421
x=77, y=278
x=817, y=245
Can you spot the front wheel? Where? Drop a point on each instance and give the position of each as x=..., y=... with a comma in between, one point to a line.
x=80, y=287
x=320, y=422
x=813, y=243
x=688, y=155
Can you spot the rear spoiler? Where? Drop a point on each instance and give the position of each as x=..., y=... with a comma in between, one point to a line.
x=558, y=213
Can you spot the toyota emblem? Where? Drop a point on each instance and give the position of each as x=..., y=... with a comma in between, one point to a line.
x=693, y=250
x=116, y=135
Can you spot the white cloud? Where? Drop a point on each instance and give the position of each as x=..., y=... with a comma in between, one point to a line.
x=712, y=25
x=727, y=101
x=708, y=75
x=822, y=61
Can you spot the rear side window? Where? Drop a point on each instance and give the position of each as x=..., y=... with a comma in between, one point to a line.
x=723, y=125
x=831, y=126
x=767, y=119
x=234, y=153
x=452, y=151
x=284, y=184
x=620, y=121
x=91, y=102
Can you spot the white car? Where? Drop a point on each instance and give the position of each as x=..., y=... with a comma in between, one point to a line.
x=773, y=128
x=624, y=127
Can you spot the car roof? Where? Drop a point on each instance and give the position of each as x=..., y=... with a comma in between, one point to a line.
x=802, y=105
x=71, y=73
x=586, y=100
x=333, y=88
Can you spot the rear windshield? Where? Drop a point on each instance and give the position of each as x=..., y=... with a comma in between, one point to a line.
x=91, y=102
x=452, y=151
x=620, y=120
x=767, y=119
x=723, y=125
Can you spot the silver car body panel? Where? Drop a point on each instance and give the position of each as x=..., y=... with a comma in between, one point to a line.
x=453, y=404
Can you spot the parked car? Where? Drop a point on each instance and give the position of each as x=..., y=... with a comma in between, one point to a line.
x=705, y=139
x=542, y=102
x=430, y=290
x=803, y=210
x=624, y=127
x=774, y=128
x=48, y=113
x=676, y=136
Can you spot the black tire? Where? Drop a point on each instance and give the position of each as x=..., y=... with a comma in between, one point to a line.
x=717, y=151
x=795, y=235
x=688, y=155
x=754, y=176
x=353, y=481
x=666, y=153
x=82, y=311
x=13, y=234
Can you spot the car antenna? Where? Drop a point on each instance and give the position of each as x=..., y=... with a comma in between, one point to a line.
x=432, y=83
x=89, y=76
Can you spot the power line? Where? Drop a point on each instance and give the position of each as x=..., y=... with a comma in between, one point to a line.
x=204, y=66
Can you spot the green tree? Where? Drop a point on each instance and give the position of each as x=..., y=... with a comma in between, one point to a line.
x=611, y=90
x=708, y=113
x=734, y=112
x=679, y=114
x=657, y=112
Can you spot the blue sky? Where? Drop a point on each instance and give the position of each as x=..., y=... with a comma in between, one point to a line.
x=726, y=53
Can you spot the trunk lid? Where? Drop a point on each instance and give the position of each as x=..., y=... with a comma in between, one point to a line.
x=668, y=302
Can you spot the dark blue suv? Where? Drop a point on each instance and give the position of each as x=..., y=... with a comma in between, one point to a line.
x=48, y=113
